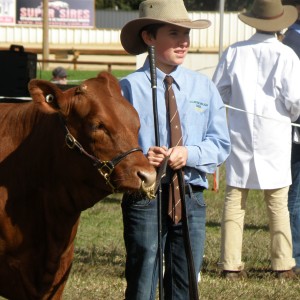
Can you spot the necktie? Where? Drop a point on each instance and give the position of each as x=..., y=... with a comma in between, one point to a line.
x=174, y=210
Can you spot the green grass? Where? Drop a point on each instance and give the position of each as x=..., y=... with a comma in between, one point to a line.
x=99, y=262
x=98, y=269
x=79, y=75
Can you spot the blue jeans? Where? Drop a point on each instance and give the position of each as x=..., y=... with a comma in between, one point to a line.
x=141, y=242
x=294, y=209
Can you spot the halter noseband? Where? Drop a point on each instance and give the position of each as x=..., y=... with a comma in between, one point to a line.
x=105, y=168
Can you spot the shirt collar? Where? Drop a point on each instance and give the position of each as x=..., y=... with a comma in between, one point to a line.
x=160, y=75
x=263, y=37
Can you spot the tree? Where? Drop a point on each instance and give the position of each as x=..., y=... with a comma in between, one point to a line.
x=118, y=4
x=214, y=5
x=191, y=5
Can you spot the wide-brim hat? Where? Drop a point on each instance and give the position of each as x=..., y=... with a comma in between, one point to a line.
x=156, y=12
x=269, y=15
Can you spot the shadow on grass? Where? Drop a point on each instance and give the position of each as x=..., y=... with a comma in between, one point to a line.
x=94, y=255
x=212, y=224
x=252, y=273
x=112, y=199
x=109, y=261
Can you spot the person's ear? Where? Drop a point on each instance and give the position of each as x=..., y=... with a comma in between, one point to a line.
x=147, y=38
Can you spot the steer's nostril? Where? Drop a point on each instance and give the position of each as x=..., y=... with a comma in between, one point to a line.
x=147, y=177
x=148, y=183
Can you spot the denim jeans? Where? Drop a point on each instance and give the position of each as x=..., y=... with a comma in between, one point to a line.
x=294, y=209
x=141, y=242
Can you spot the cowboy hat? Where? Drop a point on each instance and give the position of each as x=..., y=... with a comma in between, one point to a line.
x=269, y=15
x=156, y=12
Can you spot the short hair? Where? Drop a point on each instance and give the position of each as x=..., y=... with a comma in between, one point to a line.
x=151, y=29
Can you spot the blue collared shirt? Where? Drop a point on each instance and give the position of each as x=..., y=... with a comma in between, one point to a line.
x=202, y=115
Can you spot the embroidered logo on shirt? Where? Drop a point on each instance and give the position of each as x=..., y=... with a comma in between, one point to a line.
x=199, y=106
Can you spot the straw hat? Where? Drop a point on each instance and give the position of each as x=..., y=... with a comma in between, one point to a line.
x=269, y=15
x=155, y=12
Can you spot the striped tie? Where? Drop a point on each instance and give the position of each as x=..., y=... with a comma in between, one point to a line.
x=174, y=210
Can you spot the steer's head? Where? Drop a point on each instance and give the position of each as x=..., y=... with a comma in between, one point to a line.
x=98, y=119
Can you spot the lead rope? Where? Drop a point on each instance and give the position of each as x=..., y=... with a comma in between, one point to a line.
x=193, y=283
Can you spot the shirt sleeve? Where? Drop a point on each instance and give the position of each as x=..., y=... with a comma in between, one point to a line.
x=288, y=85
x=125, y=88
x=222, y=80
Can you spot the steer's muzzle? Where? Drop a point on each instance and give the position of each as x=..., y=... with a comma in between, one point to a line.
x=148, y=183
x=149, y=191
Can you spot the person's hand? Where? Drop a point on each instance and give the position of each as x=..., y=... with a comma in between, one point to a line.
x=156, y=155
x=178, y=157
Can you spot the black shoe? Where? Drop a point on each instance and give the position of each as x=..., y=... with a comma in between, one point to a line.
x=234, y=275
x=287, y=274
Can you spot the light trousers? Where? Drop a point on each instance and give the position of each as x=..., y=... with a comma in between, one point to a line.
x=232, y=228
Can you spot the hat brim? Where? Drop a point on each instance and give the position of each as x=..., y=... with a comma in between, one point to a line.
x=288, y=17
x=130, y=33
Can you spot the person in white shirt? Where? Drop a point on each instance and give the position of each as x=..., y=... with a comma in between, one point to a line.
x=259, y=80
x=292, y=39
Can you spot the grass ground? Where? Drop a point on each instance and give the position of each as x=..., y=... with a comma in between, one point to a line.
x=79, y=75
x=99, y=262
x=98, y=270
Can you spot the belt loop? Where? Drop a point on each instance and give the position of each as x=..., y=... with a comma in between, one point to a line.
x=188, y=189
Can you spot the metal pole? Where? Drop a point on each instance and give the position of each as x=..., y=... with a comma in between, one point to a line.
x=222, y=5
x=151, y=52
x=45, y=34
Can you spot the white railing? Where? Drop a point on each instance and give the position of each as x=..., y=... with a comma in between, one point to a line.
x=203, y=40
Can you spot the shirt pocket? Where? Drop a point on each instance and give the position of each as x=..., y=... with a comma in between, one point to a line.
x=194, y=125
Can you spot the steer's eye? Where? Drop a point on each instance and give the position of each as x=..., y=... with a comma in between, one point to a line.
x=99, y=126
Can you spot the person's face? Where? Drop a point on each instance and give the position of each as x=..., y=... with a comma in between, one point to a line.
x=171, y=46
x=61, y=80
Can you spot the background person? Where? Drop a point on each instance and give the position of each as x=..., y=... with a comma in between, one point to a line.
x=261, y=77
x=166, y=25
x=292, y=35
x=59, y=75
x=292, y=39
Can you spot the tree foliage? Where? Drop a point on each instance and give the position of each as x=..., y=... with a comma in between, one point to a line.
x=191, y=5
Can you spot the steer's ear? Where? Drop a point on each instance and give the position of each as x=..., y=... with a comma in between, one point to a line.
x=45, y=93
x=112, y=81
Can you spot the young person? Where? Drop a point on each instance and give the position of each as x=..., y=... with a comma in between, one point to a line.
x=59, y=75
x=259, y=76
x=166, y=25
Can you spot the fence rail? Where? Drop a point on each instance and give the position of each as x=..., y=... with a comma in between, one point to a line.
x=109, y=64
x=97, y=38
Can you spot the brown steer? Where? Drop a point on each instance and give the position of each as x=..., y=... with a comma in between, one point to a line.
x=59, y=155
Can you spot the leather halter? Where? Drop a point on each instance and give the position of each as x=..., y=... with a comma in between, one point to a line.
x=106, y=167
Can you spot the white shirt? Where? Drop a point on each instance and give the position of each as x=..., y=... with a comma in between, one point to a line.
x=262, y=77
